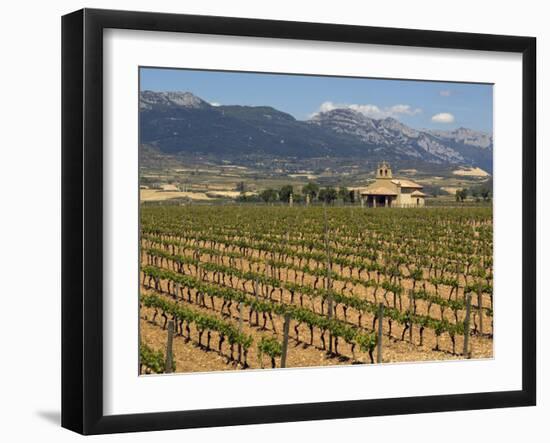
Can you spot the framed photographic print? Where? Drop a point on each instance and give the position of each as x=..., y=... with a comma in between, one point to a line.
x=270, y=221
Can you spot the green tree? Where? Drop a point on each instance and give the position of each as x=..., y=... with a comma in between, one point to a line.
x=285, y=192
x=436, y=192
x=244, y=198
x=345, y=194
x=485, y=194
x=268, y=195
x=311, y=189
x=298, y=198
x=241, y=187
x=328, y=195
x=461, y=195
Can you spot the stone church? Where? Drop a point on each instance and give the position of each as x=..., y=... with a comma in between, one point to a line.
x=387, y=191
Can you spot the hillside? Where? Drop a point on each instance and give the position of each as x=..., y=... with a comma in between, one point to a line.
x=180, y=122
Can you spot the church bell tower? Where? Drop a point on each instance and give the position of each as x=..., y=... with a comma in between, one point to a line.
x=383, y=170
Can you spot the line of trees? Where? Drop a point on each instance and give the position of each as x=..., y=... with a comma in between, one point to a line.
x=478, y=194
x=311, y=191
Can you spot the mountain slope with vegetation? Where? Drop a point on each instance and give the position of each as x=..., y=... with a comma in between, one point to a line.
x=180, y=122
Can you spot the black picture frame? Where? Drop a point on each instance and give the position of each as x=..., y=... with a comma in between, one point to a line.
x=82, y=218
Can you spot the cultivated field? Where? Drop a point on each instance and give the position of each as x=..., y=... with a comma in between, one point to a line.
x=231, y=277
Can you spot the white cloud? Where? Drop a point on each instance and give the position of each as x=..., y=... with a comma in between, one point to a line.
x=443, y=117
x=445, y=93
x=370, y=110
x=215, y=104
x=404, y=109
x=327, y=106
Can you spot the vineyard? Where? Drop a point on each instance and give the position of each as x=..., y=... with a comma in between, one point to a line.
x=237, y=287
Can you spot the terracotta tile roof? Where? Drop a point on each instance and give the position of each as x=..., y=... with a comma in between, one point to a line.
x=418, y=194
x=407, y=183
x=378, y=190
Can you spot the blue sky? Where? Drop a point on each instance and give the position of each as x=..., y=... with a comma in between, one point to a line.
x=420, y=104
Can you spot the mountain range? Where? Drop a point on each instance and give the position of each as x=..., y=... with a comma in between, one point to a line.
x=180, y=122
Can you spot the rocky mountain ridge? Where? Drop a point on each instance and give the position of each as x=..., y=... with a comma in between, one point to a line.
x=182, y=122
